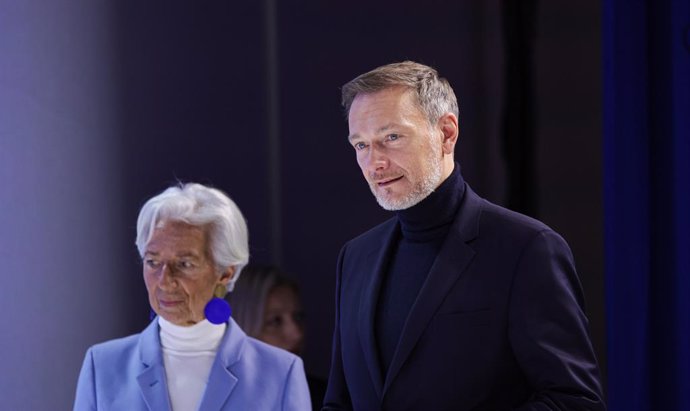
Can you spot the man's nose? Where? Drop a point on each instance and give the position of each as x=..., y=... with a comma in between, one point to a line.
x=376, y=159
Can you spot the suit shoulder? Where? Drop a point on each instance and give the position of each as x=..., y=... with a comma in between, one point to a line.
x=491, y=222
x=373, y=234
x=493, y=215
x=264, y=353
x=117, y=349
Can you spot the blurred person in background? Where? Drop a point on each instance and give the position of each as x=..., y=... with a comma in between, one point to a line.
x=193, y=356
x=266, y=304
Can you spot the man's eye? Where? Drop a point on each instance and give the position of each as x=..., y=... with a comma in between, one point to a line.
x=360, y=146
x=392, y=137
x=151, y=263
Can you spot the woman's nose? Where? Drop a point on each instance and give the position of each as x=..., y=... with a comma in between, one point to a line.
x=293, y=331
x=166, y=278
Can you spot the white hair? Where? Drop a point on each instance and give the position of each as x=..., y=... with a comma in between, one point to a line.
x=200, y=206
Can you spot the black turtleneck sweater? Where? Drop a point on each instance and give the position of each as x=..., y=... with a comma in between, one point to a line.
x=423, y=228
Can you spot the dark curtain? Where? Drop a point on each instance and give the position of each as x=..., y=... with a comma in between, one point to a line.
x=518, y=138
x=646, y=55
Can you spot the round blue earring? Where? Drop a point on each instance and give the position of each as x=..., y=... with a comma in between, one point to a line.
x=217, y=311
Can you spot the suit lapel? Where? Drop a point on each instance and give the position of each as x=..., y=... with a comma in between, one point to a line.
x=153, y=389
x=221, y=381
x=452, y=260
x=373, y=267
x=151, y=380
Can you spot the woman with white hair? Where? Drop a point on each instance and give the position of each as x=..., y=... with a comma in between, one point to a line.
x=193, y=356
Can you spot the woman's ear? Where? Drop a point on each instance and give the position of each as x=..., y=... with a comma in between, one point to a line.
x=227, y=275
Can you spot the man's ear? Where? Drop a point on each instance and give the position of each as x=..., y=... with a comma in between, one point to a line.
x=448, y=124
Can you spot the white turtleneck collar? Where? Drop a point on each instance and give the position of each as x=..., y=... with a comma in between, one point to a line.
x=188, y=354
x=202, y=336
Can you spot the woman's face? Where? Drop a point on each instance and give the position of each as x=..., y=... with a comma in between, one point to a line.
x=283, y=320
x=179, y=273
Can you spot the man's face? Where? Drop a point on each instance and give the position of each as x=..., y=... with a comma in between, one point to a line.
x=399, y=152
x=179, y=274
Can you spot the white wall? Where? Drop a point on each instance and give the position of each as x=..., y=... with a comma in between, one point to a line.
x=61, y=234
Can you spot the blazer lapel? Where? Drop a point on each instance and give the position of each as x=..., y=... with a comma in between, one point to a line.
x=373, y=267
x=454, y=256
x=221, y=381
x=152, y=379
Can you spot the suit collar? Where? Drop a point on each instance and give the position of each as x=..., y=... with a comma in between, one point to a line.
x=151, y=380
x=378, y=262
x=454, y=256
x=222, y=380
x=221, y=383
x=467, y=221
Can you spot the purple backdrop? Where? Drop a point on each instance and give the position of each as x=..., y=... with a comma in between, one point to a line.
x=103, y=104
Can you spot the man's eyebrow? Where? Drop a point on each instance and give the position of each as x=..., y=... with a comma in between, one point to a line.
x=381, y=129
x=385, y=127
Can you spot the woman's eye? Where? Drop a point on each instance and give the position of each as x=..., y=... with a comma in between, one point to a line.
x=185, y=265
x=274, y=322
x=298, y=317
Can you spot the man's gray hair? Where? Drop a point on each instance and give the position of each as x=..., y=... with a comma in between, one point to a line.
x=205, y=207
x=434, y=94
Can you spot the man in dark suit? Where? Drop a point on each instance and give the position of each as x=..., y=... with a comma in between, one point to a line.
x=455, y=303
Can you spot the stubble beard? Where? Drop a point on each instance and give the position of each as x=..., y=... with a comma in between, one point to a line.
x=421, y=189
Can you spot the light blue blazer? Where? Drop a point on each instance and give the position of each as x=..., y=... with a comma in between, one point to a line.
x=128, y=374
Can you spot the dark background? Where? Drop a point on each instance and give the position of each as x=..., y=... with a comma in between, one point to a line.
x=104, y=104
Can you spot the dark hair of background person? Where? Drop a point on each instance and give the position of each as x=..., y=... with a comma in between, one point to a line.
x=250, y=300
